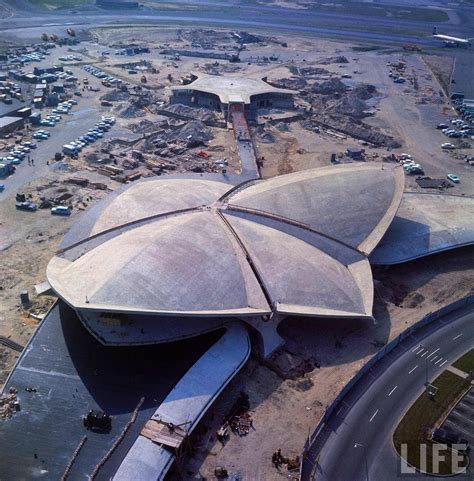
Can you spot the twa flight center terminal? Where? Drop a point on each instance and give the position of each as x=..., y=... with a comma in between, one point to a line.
x=170, y=258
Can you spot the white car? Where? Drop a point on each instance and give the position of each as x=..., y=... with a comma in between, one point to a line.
x=404, y=156
x=448, y=146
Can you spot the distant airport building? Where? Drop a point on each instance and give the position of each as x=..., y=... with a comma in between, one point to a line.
x=221, y=92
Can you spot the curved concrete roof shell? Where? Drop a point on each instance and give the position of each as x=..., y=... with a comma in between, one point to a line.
x=196, y=247
x=184, y=263
x=232, y=87
x=148, y=198
x=426, y=224
x=353, y=204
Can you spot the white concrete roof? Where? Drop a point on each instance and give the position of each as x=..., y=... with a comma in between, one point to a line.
x=426, y=224
x=234, y=88
x=294, y=244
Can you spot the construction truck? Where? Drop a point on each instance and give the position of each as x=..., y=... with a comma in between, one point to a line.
x=98, y=420
x=54, y=37
x=70, y=31
x=44, y=37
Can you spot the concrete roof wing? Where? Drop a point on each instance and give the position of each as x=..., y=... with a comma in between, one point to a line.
x=425, y=224
x=150, y=197
x=188, y=264
x=301, y=270
x=353, y=204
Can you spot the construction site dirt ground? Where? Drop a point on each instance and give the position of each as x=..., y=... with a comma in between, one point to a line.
x=285, y=405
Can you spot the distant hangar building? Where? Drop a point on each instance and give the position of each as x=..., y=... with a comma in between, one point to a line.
x=169, y=258
x=220, y=93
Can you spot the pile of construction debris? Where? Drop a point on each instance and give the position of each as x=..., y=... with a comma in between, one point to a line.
x=9, y=404
x=336, y=59
x=184, y=111
x=278, y=460
x=336, y=106
x=329, y=87
x=239, y=420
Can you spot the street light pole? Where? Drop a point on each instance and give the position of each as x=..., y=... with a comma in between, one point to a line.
x=360, y=445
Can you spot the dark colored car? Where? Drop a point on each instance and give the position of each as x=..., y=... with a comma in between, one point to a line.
x=30, y=206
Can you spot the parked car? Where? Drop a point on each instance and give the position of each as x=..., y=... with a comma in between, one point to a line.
x=448, y=146
x=29, y=206
x=61, y=210
x=454, y=178
x=442, y=126
x=2, y=187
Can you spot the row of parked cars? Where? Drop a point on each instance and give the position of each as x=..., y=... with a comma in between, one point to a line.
x=409, y=165
x=100, y=74
x=55, y=116
x=18, y=153
x=15, y=157
x=96, y=133
x=412, y=168
x=457, y=130
x=67, y=76
x=31, y=57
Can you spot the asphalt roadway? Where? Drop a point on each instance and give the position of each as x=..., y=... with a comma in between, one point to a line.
x=243, y=15
x=370, y=414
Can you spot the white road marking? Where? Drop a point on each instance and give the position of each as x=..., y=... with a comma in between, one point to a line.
x=432, y=360
x=441, y=365
x=413, y=369
x=415, y=348
x=391, y=392
x=436, y=350
x=457, y=337
x=439, y=360
x=373, y=415
x=420, y=351
x=424, y=354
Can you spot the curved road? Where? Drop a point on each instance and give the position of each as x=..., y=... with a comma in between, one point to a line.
x=369, y=416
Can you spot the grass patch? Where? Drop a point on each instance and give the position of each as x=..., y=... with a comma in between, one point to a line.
x=466, y=362
x=57, y=4
x=415, y=427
